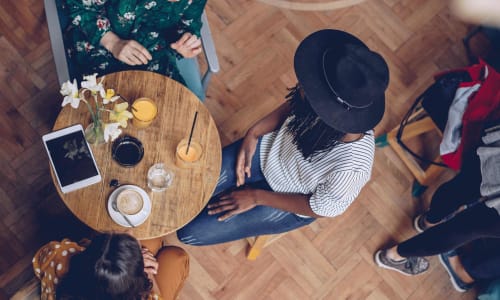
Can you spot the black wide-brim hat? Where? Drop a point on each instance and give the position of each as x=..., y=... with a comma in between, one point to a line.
x=342, y=79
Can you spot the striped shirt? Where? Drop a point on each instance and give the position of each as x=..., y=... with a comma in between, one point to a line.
x=334, y=179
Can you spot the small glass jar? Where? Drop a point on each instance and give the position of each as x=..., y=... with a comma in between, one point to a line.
x=159, y=178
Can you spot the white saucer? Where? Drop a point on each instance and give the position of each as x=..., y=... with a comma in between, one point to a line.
x=136, y=219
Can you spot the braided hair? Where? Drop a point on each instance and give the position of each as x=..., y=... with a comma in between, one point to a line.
x=311, y=135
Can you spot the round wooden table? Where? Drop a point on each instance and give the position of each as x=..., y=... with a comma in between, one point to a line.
x=191, y=188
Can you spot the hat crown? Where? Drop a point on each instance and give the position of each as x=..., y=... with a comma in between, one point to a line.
x=343, y=80
x=351, y=74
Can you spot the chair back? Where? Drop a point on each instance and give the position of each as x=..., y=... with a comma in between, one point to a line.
x=56, y=21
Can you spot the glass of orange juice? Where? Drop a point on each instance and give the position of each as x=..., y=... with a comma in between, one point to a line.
x=144, y=111
x=185, y=157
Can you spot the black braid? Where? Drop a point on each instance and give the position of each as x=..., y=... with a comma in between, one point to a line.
x=311, y=135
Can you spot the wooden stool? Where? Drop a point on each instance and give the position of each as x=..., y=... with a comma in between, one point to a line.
x=419, y=123
x=256, y=244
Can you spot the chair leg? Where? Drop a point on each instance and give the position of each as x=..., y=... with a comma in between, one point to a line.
x=381, y=141
x=254, y=248
x=417, y=189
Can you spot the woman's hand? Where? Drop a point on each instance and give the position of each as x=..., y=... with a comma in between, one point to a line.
x=188, y=45
x=244, y=159
x=150, y=263
x=128, y=51
x=234, y=203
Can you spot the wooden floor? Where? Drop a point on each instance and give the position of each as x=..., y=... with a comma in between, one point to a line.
x=330, y=259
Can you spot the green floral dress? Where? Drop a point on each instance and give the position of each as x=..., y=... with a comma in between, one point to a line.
x=153, y=23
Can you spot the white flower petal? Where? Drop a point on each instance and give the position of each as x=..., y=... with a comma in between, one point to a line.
x=111, y=131
x=90, y=82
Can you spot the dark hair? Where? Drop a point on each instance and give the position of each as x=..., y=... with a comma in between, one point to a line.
x=111, y=267
x=311, y=135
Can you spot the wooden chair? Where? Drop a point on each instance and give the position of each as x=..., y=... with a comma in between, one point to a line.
x=429, y=113
x=419, y=123
x=189, y=68
x=258, y=243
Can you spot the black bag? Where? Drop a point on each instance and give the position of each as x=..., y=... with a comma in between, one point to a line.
x=436, y=101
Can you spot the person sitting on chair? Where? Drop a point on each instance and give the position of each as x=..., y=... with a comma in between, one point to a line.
x=310, y=157
x=114, y=35
x=112, y=266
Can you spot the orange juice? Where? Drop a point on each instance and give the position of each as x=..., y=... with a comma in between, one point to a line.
x=144, y=111
x=193, y=154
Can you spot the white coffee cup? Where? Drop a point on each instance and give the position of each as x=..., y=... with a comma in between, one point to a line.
x=129, y=202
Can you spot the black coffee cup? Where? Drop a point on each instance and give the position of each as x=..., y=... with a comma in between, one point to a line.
x=127, y=151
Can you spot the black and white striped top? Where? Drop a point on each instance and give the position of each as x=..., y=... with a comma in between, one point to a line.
x=333, y=180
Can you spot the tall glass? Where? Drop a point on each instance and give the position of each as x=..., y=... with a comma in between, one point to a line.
x=144, y=111
x=185, y=157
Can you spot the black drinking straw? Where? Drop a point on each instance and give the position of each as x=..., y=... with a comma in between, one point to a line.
x=126, y=100
x=191, y=134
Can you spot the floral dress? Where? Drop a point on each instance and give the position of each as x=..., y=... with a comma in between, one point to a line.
x=155, y=24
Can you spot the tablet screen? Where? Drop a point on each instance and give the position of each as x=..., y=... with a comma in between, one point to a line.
x=71, y=158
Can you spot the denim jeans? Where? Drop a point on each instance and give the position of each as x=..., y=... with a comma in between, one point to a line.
x=205, y=229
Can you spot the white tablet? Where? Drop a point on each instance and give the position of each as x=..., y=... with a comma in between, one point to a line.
x=71, y=158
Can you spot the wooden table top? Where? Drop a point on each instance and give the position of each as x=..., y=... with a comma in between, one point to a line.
x=191, y=188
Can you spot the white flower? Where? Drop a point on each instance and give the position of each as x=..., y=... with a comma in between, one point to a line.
x=70, y=92
x=80, y=46
x=129, y=16
x=187, y=22
x=153, y=35
x=111, y=131
x=150, y=5
x=154, y=67
x=90, y=83
x=76, y=20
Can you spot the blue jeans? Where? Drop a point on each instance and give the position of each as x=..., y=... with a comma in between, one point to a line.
x=205, y=229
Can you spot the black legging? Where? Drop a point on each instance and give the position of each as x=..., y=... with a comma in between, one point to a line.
x=462, y=189
x=473, y=223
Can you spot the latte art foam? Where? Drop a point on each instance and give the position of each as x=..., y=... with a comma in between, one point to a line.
x=129, y=202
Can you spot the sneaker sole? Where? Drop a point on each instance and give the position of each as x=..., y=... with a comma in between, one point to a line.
x=415, y=224
x=382, y=265
x=452, y=278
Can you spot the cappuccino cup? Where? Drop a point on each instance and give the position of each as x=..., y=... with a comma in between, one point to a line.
x=129, y=202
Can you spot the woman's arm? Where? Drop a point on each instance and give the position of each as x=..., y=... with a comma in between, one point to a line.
x=150, y=268
x=240, y=201
x=189, y=26
x=130, y=52
x=191, y=18
x=265, y=125
x=91, y=19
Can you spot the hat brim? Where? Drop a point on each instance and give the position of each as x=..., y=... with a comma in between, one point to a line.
x=308, y=68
